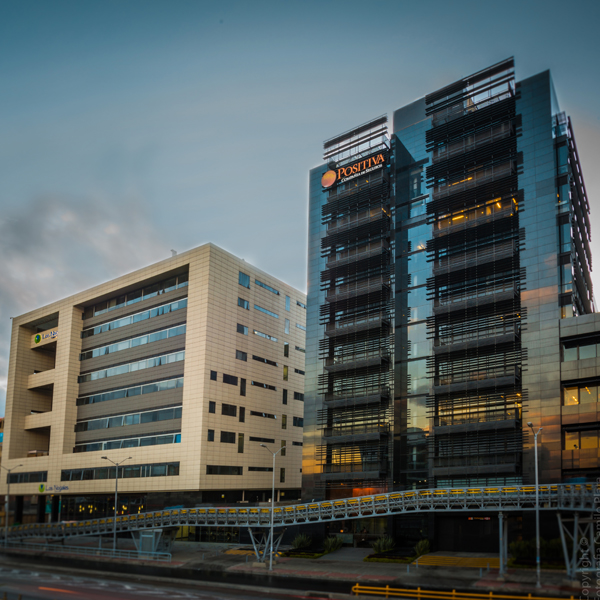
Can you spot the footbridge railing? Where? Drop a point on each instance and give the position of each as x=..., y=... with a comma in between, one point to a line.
x=563, y=497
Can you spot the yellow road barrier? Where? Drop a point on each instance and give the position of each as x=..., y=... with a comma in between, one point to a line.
x=419, y=593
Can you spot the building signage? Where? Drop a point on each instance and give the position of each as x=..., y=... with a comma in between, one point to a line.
x=354, y=170
x=43, y=488
x=45, y=336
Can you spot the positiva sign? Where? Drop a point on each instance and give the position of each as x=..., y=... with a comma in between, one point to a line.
x=354, y=170
x=44, y=337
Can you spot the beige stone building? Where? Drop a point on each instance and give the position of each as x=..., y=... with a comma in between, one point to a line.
x=186, y=366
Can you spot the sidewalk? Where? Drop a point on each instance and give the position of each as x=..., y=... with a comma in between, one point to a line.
x=343, y=568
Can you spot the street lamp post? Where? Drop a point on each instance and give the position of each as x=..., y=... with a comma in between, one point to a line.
x=272, y=503
x=537, y=510
x=7, y=502
x=116, y=489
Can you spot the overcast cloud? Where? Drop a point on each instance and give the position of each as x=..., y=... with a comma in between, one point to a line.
x=132, y=127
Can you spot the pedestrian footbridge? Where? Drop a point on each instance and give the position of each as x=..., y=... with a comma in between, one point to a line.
x=570, y=498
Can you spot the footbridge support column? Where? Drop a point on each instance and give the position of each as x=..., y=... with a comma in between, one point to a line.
x=582, y=558
x=261, y=543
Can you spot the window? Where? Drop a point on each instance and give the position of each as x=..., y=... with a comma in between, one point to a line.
x=227, y=437
x=267, y=312
x=244, y=280
x=284, y=399
x=241, y=355
x=152, y=416
x=287, y=303
x=242, y=329
x=282, y=475
x=299, y=396
x=230, y=379
x=128, y=472
x=266, y=469
x=264, y=360
x=223, y=470
x=581, y=349
x=298, y=422
x=265, y=335
x=229, y=410
x=296, y=443
x=150, y=291
x=283, y=421
x=300, y=326
x=287, y=326
x=30, y=477
x=583, y=439
x=243, y=303
x=113, y=444
x=261, y=439
x=300, y=304
x=134, y=342
x=264, y=385
x=242, y=414
x=255, y=413
x=240, y=443
x=299, y=371
x=266, y=287
x=582, y=394
x=242, y=387
x=212, y=407
x=148, y=363
x=211, y=435
x=285, y=372
x=213, y=375
x=301, y=349
x=149, y=388
x=286, y=349
x=283, y=446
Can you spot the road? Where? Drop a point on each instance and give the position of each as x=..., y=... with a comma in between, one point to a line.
x=29, y=583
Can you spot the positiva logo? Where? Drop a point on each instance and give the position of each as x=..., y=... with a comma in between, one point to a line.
x=38, y=338
x=328, y=179
x=41, y=487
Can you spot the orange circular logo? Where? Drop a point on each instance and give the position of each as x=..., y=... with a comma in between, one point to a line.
x=328, y=179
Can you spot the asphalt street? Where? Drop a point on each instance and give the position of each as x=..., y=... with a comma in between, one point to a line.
x=36, y=584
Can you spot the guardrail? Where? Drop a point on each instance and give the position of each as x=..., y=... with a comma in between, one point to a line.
x=388, y=592
x=87, y=551
x=517, y=498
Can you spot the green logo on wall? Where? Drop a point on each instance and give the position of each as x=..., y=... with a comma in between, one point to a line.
x=41, y=487
x=38, y=338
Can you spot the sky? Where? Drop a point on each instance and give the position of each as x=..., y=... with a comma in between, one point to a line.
x=132, y=127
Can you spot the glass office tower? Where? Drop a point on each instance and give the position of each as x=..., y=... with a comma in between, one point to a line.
x=437, y=283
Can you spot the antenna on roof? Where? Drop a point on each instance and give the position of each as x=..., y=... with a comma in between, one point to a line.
x=173, y=252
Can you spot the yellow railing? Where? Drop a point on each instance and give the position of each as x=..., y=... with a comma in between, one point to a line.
x=419, y=593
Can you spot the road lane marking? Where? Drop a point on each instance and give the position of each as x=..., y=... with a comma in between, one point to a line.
x=56, y=590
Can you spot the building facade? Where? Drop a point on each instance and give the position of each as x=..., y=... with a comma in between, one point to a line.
x=186, y=366
x=444, y=257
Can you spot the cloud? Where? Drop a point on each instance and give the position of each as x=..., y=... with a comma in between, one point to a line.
x=54, y=247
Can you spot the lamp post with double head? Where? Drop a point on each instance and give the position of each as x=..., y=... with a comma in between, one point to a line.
x=7, y=502
x=537, y=509
x=272, y=502
x=116, y=491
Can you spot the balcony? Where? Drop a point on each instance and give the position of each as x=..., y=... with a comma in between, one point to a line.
x=482, y=378
x=348, y=290
x=374, y=321
x=333, y=365
x=348, y=256
x=346, y=223
x=475, y=257
x=475, y=465
x=41, y=379
x=476, y=338
x=476, y=297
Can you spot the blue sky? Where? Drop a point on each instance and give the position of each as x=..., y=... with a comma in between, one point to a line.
x=132, y=127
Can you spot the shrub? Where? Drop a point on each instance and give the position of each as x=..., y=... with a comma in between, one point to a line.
x=550, y=550
x=422, y=547
x=383, y=544
x=331, y=544
x=301, y=541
